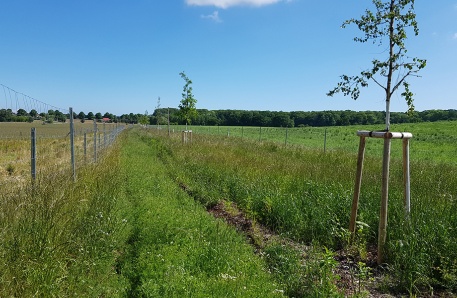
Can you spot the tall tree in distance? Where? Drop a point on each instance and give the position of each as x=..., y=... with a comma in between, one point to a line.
x=187, y=109
x=388, y=23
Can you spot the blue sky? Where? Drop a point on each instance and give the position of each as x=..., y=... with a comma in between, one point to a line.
x=119, y=56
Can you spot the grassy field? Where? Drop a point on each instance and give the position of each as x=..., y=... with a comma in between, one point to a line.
x=53, y=147
x=135, y=224
x=306, y=195
x=431, y=141
x=123, y=229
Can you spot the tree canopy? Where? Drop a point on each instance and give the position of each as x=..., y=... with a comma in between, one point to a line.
x=388, y=24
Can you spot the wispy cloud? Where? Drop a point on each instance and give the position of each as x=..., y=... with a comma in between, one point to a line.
x=454, y=36
x=229, y=3
x=214, y=17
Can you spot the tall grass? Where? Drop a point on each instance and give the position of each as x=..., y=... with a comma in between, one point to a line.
x=60, y=238
x=306, y=195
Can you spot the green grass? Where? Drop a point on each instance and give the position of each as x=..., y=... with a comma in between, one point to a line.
x=176, y=249
x=431, y=141
x=306, y=195
x=59, y=238
x=126, y=228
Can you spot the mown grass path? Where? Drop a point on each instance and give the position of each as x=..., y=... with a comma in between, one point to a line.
x=175, y=248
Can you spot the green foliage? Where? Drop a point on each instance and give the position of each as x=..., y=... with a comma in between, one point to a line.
x=143, y=120
x=187, y=110
x=389, y=22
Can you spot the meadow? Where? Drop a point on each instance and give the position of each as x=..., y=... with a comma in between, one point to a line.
x=440, y=137
x=135, y=224
x=305, y=194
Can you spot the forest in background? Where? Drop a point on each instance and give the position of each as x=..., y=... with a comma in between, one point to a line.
x=298, y=118
x=240, y=117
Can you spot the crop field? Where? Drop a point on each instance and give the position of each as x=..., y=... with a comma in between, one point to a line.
x=136, y=223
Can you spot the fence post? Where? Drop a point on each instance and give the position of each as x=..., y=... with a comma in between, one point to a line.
x=406, y=176
x=325, y=140
x=168, y=122
x=95, y=140
x=72, y=144
x=33, y=153
x=85, y=146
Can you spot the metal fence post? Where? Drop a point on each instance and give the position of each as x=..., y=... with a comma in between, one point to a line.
x=72, y=144
x=95, y=141
x=325, y=140
x=33, y=153
x=85, y=146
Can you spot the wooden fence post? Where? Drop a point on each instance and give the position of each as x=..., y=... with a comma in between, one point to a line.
x=406, y=177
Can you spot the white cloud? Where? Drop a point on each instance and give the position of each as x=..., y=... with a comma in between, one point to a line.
x=214, y=17
x=229, y=3
x=454, y=36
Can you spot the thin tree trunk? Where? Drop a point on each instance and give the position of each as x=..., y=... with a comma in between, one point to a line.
x=382, y=232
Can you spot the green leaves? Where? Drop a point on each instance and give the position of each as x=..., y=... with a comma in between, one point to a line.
x=187, y=107
x=388, y=23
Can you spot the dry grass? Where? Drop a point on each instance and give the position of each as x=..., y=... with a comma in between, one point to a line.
x=53, y=147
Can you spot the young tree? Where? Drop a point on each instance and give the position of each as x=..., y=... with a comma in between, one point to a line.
x=187, y=109
x=389, y=23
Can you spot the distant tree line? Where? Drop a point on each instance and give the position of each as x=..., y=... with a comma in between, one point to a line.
x=238, y=117
x=298, y=118
x=21, y=115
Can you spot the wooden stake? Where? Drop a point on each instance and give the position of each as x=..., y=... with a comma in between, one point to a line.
x=406, y=177
x=358, y=183
x=384, y=201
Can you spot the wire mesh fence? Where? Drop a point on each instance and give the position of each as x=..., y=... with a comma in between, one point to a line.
x=51, y=151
